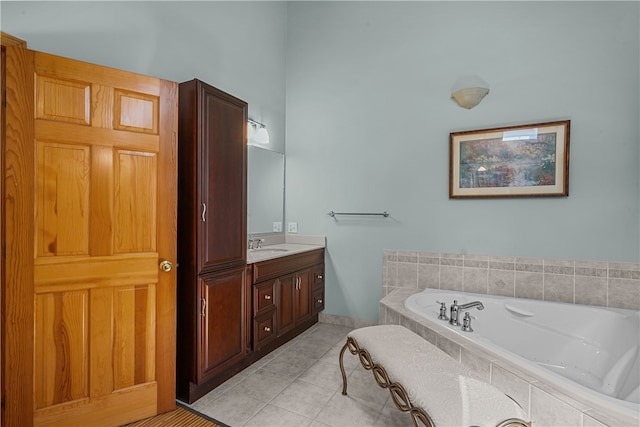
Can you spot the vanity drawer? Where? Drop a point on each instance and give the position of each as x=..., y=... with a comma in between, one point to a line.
x=317, y=300
x=264, y=329
x=317, y=278
x=263, y=296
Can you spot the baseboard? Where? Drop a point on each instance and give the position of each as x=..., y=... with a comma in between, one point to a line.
x=350, y=322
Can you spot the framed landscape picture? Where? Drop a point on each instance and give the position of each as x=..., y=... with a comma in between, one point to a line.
x=516, y=161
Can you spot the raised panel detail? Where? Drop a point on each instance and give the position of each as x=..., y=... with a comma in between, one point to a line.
x=222, y=327
x=135, y=202
x=136, y=112
x=134, y=336
x=63, y=199
x=63, y=100
x=61, y=323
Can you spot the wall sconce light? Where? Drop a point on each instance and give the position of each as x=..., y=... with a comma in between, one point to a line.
x=257, y=133
x=468, y=91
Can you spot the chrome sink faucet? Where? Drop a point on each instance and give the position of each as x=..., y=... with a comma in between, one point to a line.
x=456, y=309
x=255, y=243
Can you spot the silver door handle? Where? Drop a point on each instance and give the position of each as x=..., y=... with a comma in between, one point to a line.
x=204, y=211
x=203, y=311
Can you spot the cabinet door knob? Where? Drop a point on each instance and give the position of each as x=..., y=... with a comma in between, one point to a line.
x=319, y=276
x=267, y=329
x=267, y=297
x=319, y=301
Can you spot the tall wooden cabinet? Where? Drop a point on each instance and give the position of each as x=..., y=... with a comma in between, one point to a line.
x=214, y=312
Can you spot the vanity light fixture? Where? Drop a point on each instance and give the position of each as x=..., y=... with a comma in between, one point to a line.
x=468, y=91
x=257, y=133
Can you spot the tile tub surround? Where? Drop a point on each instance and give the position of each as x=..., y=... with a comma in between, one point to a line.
x=608, y=284
x=544, y=404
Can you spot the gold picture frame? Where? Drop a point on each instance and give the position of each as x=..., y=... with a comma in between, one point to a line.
x=529, y=160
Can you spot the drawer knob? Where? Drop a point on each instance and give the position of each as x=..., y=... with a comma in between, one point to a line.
x=267, y=329
x=319, y=301
x=267, y=297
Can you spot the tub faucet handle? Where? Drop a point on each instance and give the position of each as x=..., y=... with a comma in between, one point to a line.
x=454, y=314
x=466, y=322
x=443, y=311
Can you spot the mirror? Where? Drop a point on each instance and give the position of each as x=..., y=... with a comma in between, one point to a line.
x=265, y=191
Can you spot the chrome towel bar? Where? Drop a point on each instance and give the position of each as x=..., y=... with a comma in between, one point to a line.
x=333, y=214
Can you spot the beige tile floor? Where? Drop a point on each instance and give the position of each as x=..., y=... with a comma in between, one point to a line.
x=300, y=385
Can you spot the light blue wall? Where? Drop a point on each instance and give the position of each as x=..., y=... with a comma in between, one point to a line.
x=369, y=114
x=238, y=47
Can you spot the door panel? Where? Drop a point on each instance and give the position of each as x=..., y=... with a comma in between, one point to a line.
x=63, y=199
x=134, y=204
x=63, y=100
x=61, y=334
x=104, y=345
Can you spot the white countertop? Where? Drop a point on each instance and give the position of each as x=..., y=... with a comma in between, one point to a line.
x=294, y=244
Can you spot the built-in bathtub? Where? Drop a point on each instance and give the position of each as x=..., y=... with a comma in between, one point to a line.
x=588, y=354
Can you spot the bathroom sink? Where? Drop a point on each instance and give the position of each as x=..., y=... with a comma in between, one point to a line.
x=268, y=250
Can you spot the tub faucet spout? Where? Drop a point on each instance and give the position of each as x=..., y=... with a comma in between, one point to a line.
x=456, y=309
x=471, y=305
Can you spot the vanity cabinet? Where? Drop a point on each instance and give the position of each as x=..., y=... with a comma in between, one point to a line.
x=285, y=295
x=214, y=299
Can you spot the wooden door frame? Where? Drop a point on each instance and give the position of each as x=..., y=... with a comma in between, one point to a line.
x=18, y=240
x=167, y=248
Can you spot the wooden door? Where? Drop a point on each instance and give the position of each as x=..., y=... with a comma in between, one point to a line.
x=223, y=322
x=90, y=211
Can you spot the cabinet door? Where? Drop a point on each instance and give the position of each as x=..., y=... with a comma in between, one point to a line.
x=223, y=174
x=302, y=296
x=286, y=291
x=222, y=325
x=294, y=300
